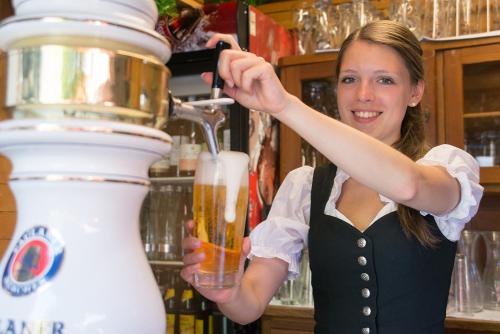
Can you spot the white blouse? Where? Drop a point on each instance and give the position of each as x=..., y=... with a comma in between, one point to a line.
x=284, y=233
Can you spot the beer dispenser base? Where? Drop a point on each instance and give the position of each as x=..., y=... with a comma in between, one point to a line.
x=76, y=263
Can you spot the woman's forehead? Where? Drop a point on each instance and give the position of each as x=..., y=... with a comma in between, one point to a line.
x=374, y=57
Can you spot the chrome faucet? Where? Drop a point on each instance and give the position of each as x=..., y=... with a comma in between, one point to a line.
x=210, y=117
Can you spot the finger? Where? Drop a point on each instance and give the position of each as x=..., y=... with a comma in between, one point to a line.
x=193, y=258
x=255, y=74
x=240, y=66
x=223, y=37
x=246, y=247
x=245, y=250
x=191, y=243
x=188, y=227
x=207, y=77
x=188, y=272
x=227, y=57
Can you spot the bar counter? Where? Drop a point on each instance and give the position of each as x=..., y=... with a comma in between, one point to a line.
x=281, y=319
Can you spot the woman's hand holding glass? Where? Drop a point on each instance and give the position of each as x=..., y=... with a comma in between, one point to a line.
x=192, y=262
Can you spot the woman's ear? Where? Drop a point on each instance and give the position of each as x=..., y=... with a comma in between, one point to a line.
x=417, y=93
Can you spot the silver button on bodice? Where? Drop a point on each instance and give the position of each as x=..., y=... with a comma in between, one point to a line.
x=361, y=242
x=365, y=330
x=365, y=277
x=362, y=260
x=367, y=310
x=365, y=293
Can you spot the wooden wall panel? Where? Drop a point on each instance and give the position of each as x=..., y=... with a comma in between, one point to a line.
x=5, y=168
x=7, y=203
x=3, y=247
x=8, y=222
x=5, y=9
x=3, y=114
x=7, y=206
x=7, y=225
x=488, y=216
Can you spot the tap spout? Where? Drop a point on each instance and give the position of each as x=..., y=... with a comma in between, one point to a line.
x=209, y=118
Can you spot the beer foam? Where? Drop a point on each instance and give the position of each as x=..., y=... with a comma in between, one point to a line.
x=235, y=168
x=207, y=170
x=229, y=169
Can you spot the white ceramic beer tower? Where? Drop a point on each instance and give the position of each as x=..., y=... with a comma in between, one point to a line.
x=85, y=91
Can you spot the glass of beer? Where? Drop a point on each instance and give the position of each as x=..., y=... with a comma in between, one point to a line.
x=220, y=208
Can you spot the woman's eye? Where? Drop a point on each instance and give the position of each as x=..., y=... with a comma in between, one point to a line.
x=386, y=81
x=347, y=80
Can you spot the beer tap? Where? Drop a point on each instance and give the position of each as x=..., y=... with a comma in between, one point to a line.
x=207, y=113
x=217, y=82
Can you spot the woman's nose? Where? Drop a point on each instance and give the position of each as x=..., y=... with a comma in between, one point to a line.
x=365, y=92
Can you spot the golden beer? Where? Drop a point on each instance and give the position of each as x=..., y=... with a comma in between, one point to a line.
x=220, y=233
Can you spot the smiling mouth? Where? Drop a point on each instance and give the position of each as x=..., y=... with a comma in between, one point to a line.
x=366, y=114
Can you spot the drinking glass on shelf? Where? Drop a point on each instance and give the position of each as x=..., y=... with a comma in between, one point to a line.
x=492, y=15
x=288, y=293
x=409, y=13
x=323, y=35
x=334, y=26
x=365, y=12
x=147, y=227
x=304, y=20
x=469, y=18
x=304, y=287
x=439, y=18
x=163, y=206
x=468, y=296
x=220, y=200
x=345, y=20
x=491, y=274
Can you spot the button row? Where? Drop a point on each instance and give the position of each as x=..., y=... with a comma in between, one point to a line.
x=365, y=292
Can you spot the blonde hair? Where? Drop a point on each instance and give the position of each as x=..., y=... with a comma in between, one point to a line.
x=412, y=141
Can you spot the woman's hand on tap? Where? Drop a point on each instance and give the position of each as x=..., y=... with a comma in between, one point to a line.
x=249, y=79
x=192, y=262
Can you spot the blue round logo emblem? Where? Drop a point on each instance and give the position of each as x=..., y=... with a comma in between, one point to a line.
x=35, y=259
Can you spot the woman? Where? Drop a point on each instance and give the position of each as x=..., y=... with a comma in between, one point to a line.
x=381, y=222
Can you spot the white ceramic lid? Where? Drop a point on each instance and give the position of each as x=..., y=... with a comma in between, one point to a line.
x=139, y=13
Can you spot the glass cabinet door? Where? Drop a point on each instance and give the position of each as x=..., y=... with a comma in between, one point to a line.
x=319, y=94
x=312, y=79
x=482, y=111
x=471, y=82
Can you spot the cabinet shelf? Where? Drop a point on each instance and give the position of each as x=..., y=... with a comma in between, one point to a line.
x=489, y=175
x=173, y=180
x=482, y=114
x=166, y=263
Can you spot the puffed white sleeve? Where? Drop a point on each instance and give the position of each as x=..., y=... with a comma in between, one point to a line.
x=284, y=233
x=463, y=167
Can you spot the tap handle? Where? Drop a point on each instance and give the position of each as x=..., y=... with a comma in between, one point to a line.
x=218, y=82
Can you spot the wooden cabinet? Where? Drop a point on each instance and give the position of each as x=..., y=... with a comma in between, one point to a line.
x=295, y=72
x=471, y=103
x=288, y=320
x=7, y=207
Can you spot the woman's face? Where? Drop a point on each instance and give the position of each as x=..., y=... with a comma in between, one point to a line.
x=374, y=89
